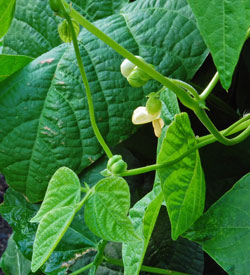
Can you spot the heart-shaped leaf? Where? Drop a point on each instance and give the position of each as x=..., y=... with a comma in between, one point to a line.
x=105, y=212
x=63, y=190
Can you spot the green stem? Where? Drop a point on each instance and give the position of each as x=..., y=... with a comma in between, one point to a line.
x=182, y=95
x=202, y=115
x=210, y=87
x=87, y=89
x=203, y=141
x=86, y=267
x=81, y=203
x=145, y=268
x=188, y=87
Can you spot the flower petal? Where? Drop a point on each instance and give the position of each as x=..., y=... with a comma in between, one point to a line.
x=141, y=116
x=158, y=125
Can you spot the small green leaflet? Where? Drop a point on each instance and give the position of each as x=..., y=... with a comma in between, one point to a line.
x=106, y=210
x=223, y=25
x=63, y=190
x=143, y=216
x=183, y=183
x=224, y=230
x=7, y=9
x=55, y=215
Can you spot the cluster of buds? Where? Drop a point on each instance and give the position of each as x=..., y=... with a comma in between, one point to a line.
x=116, y=165
x=151, y=113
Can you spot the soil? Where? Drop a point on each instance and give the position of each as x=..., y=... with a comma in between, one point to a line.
x=5, y=230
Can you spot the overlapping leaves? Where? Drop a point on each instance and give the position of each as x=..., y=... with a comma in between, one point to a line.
x=47, y=115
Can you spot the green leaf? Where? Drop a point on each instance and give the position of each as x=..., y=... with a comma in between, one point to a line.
x=223, y=231
x=31, y=37
x=183, y=183
x=13, y=261
x=10, y=64
x=64, y=189
x=223, y=25
x=106, y=211
x=47, y=124
x=50, y=231
x=6, y=14
x=143, y=216
x=18, y=212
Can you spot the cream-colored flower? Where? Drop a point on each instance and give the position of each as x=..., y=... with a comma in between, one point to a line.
x=141, y=116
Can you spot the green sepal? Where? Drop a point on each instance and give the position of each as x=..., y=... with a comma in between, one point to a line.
x=65, y=32
x=153, y=104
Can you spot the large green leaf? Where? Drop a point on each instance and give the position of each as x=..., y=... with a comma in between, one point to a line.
x=34, y=27
x=223, y=25
x=50, y=231
x=47, y=123
x=223, y=231
x=9, y=64
x=105, y=212
x=182, y=183
x=63, y=190
x=6, y=14
x=13, y=261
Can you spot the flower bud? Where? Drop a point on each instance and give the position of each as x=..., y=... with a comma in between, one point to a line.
x=127, y=66
x=135, y=75
x=54, y=5
x=65, y=32
x=153, y=104
x=116, y=165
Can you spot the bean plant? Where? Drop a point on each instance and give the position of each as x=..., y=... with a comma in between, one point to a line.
x=124, y=136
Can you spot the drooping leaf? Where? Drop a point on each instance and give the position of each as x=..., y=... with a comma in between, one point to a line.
x=50, y=231
x=50, y=101
x=106, y=211
x=143, y=216
x=63, y=190
x=31, y=37
x=10, y=64
x=223, y=25
x=13, y=261
x=7, y=9
x=223, y=231
x=182, y=183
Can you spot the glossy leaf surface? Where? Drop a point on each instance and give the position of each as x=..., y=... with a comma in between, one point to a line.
x=13, y=261
x=105, y=212
x=182, y=183
x=223, y=231
x=63, y=190
x=223, y=25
